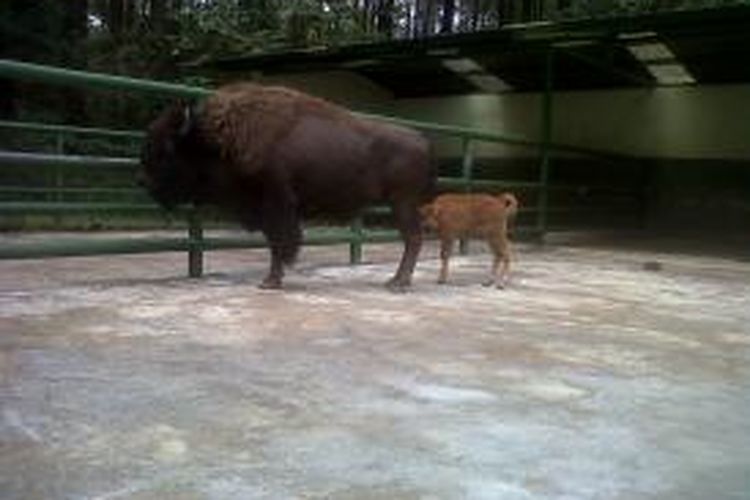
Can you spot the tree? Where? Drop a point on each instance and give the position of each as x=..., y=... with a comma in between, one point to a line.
x=158, y=16
x=385, y=16
x=115, y=18
x=159, y=38
x=424, y=22
x=75, y=28
x=448, y=16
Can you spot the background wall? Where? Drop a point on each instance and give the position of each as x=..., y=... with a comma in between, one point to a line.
x=690, y=145
x=679, y=122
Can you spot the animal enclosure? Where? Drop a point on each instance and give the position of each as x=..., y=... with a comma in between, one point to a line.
x=49, y=194
x=614, y=363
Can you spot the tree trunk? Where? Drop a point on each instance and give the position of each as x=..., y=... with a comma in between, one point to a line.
x=115, y=20
x=505, y=11
x=75, y=29
x=129, y=15
x=385, y=17
x=425, y=18
x=475, y=13
x=76, y=20
x=369, y=11
x=158, y=15
x=527, y=10
x=449, y=12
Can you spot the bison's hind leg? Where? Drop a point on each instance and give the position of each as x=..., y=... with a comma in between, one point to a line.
x=271, y=282
x=409, y=225
x=284, y=243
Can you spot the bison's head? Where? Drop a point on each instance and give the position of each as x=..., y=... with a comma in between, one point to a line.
x=169, y=170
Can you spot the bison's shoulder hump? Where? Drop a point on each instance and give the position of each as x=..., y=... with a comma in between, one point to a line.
x=396, y=134
x=245, y=120
x=251, y=97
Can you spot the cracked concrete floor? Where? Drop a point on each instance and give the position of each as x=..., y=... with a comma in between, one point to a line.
x=588, y=378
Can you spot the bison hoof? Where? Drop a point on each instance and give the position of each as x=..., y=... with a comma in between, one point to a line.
x=270, y=284
x=499, y=284
x=397, y=285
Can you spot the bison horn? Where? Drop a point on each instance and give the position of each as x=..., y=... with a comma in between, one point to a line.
x=187, y=121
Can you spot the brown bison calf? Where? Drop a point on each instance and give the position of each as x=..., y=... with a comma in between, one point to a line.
x=479, y=216
x=272, y=156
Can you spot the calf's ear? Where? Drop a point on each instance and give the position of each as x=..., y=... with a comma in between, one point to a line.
x=427, y=210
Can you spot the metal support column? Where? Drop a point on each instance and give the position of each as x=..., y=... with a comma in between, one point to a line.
x=543, y=202
x=58, y=181
x=355, y=245
x=195, y=243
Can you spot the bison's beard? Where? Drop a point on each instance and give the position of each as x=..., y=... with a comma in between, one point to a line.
x=169, y=194
x=175, y=183
x=166, y=200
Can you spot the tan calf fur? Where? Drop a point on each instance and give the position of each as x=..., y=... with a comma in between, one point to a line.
x=473, y=216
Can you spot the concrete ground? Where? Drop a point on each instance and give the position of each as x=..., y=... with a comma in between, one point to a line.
x=589, y=377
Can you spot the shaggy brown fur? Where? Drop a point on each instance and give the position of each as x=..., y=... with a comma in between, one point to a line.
x=482, y=216
x=272, y=155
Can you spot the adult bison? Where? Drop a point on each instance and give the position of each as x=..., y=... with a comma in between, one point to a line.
x=272, y=156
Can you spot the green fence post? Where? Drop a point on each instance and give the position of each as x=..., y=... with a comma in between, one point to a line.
x=355, y=245
x=58, y=182
x=195, y=243
x=467, y=175
x=543, y=202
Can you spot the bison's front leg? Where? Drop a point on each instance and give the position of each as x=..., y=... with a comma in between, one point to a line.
x=281, y=227
x=284, y=241
x=409, y=225
x=273, y=279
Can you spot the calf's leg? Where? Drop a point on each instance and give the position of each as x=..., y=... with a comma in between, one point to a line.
x=501, y=255
x=446, y=250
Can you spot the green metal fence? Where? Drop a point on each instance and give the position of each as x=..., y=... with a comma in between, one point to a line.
x=196, y=241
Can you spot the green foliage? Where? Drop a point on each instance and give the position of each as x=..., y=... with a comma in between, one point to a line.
x=225, y=29
x=169, y=39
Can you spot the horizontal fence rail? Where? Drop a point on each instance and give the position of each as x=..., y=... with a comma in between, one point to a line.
x=10, y=158
x=196, y=241
x=137, y=245
x=48, y=74
x=69, y=130
x=79, y=247
x=17, y=70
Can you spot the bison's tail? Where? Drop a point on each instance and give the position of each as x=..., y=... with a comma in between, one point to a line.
x=511, y=203
x=429, y=190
